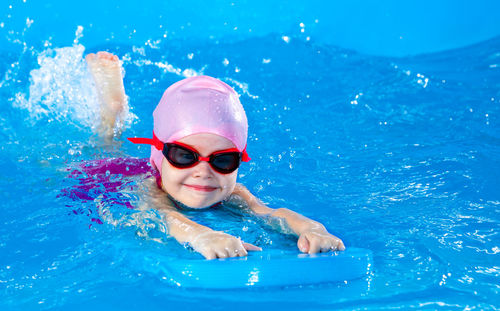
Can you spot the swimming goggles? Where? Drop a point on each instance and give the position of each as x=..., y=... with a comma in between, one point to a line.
x=182, y=156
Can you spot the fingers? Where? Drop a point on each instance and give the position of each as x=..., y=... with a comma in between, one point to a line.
x=309, y=244
x=208, y=254
x=250, y=247
x=222, y=253
x=335, y=244
x=241, y=249
x=341, y=246
x=326, y=249
x=332, y=245
x=238, y=252
x=313, y=243
x=226, y=247
x=213, y=254
x=303, y=244
x=229, y=252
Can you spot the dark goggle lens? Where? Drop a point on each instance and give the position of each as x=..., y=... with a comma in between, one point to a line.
x=181, y=157
x=225, y=162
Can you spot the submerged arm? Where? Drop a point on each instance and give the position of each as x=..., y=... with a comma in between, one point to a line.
x=313, y=236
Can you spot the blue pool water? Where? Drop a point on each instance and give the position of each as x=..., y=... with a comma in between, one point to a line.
x=396, y=154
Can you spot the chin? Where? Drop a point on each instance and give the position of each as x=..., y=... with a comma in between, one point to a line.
x=201, y=203
x=204, y=204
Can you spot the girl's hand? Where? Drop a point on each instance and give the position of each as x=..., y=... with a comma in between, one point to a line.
x=217, y=244
x=319, y=240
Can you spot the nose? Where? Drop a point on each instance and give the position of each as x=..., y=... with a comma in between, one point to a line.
x=202, y=169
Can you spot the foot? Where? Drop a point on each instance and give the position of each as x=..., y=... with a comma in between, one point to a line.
x=107, y=73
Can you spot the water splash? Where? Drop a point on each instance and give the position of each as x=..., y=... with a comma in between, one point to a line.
x=78, y=35
x=243, y=87
x=147, y=223
x=63, y=90
x=165, y=67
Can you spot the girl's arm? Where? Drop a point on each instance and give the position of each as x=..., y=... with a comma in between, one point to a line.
x=313, y=236
x=211, y=244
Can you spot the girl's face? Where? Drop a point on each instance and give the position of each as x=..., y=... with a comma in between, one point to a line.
x=199, y=186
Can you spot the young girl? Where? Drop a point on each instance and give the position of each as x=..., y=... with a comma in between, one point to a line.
x=199, y=140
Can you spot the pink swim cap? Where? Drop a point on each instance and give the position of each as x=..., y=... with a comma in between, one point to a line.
x=197, y=105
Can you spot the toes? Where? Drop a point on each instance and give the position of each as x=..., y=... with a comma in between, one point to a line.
x=107, y=56
x=102, y=57
x=90, y=57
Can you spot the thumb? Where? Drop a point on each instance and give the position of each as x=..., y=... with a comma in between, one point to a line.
x=303, y=244
x=251, y=247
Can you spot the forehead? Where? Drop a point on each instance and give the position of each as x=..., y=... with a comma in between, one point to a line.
x=207, y=142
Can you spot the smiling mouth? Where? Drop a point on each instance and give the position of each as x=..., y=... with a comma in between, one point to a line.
x=202, y=188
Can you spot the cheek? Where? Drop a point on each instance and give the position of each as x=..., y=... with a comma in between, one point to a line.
x=170, y=176
x=229, y=181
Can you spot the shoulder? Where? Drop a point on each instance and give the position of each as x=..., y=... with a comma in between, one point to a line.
x=243, y=194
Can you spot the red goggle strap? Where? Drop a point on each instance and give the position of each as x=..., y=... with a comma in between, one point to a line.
x=148, y=141
x=244, y=155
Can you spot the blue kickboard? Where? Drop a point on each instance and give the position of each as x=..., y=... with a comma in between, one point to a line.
x=262, y=269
